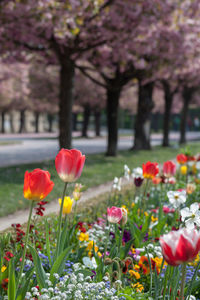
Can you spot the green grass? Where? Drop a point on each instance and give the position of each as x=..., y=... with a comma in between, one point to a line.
x=98, y=170
x=5, y=143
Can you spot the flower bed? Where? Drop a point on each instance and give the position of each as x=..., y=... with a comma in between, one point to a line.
x=145, y=246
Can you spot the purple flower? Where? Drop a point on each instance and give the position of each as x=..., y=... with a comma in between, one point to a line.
x=138, y=181
x=126, y=236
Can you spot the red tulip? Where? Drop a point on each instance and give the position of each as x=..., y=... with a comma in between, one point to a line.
x=169, y=168
x=69, y=164
x=150, y=170
x=181, y=158
x=37, y=185
x=180, y=246
x=114, y=214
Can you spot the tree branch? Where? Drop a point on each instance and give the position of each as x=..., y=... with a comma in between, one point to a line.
x=83, y=70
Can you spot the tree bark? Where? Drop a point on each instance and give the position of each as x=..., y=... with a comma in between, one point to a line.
x=86, y=119
x=3, y=122
x=50, y=122
x=65, y=102
x=97, y=116
x=113, y=95
x=12, y=129
x=187, y=95
x=74, y=121
x=167, y=113
x=37, y=118
x=22, y=127
x=143, y=118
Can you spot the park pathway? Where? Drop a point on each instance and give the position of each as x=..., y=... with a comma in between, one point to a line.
x=21, y=216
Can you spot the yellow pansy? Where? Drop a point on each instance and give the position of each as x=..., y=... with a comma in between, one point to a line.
x=146, y=214
x=67, y=205
x=83, y=237
x=154, y=219
x=139, y=287
x=92, y=245
x=133, y=204
x=99, y=254
x=135, y=274
x=3, y=269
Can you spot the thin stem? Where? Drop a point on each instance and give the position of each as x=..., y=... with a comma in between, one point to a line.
x=121, y=238
x=74, y=216
x=183, y=281
x=26, y=242
x=144, y=194
x=60, y=220
x=107, y=239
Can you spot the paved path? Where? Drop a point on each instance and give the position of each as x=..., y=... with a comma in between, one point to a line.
x=46, y=147
x=21, y=216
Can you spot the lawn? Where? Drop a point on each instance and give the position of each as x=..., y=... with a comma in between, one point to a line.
x=98, y=170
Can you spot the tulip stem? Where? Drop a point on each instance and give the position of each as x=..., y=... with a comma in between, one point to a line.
x=74, y=216
x=107, y=240
x=144, y=195
x=183, y=281
x=26, y=243
x=60, y=221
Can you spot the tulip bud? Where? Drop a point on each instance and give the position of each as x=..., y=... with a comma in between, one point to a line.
x=108, y=261
x=124, y=216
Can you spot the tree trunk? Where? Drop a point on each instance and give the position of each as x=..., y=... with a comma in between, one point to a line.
x=167, y=113
x=65, y=102
x=86, y=119
x=12, y=129
x=50, y=122
x=143, y=118
x=3, y=122
x=22, y=127
x=113, y=96
x=74, y=121
x=37, y=118
x=187, y=95
x=97, y=116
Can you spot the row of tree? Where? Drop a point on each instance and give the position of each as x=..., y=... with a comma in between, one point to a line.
x=115, y=44
x=30, y=87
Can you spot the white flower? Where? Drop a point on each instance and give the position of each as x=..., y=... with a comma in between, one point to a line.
x=117, y=182
x=176, y=198
x=137, y=173
x=126, y=172
x=90, y=262
x=192, y=214
x=191, y=297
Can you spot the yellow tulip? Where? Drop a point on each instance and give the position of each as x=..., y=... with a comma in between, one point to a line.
x=183, y=170
x=67, y=205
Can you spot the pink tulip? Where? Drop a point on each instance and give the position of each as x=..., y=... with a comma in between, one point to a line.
x=114, y=214
x=169, y=168
x=180, y=246
x=69, y=164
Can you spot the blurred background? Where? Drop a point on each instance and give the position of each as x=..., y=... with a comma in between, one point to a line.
x=119, y=70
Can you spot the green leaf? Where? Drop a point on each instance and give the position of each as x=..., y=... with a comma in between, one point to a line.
x=40, y=273
x=11, y=282
x=47, y=241
x=63, y=237
x=21, y=293
x=145, y=226
x=127, y=247
x=84, y=272
x=59, y=263
x=136, y=233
